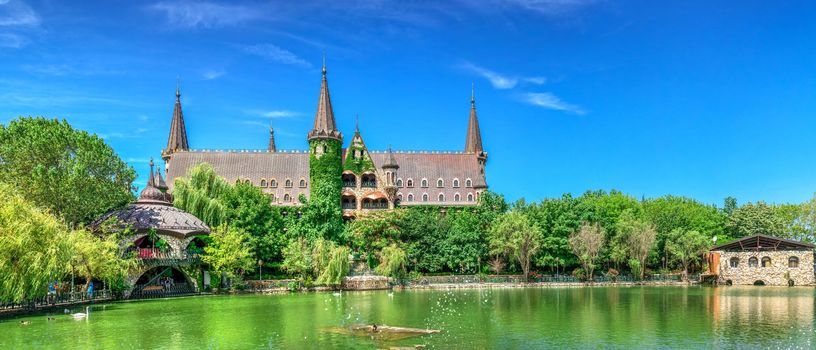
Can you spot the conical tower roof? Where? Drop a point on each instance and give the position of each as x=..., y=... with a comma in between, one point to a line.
x=272, y=147
x=325, y=126
x=177, y=140
x=473, y=142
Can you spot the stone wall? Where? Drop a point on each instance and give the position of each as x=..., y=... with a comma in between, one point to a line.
x=777, y=274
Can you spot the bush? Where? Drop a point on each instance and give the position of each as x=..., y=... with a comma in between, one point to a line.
x=580, y=274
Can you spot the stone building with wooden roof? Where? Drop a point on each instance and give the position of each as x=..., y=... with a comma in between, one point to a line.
x=763, y=260
x=371, y=180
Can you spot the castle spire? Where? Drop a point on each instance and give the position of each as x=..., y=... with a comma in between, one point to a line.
x=272, y=147
x=473, y=142
x=177, y=140
x=325, y=126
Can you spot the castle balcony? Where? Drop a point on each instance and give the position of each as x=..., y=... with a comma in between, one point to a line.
x=349, y=206
x=157, y=257
x=351, y=184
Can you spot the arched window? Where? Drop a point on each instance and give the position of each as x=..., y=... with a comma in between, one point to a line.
x=456, y=197
x=455, y=183
x=399, y=196
x=441, y=197
x=263, y=182
x=793, y=262
x=424, y=197
x=302, y=183
x=468, y=183
x=410, y=197
x=349, y=180
x=766, y=262
x=368, y=180
x=248, y=182
x=287, y=198
x=273, y=183
x=424, y=183
x=470, y=197
x=734, y=262
x=288, y=183
x=753, y=262
x=440, y=183
x=272, y=197
x=399, y=182
x=410, y=183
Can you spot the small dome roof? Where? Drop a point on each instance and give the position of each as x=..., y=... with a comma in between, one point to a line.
x=151, y=193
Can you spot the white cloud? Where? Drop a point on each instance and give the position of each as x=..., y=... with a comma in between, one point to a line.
x=550, y=101
x=274, y=114
x=275, y=53
x=67, y=69
x=202, y=14
x=213, y=74
x=13, y=41
x=17, y=13
x=549, y=7
x=501, y=81
x=137, y=160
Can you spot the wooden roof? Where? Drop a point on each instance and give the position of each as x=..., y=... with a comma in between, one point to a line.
x=763, y=243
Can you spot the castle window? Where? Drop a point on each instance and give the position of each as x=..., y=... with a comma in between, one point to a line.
x=440, y=183
x=470, y=197
x=424, y=183
x=766, y=262
x=273, y=183
x=753, y=262
x=369, y=180
x=455, y=183
x=456, y=197
x=302, y=183
x=399, y=182
x=441, y=197
x=410, y=183
x=288, y=183
x=349, y=180
x=410, y=197
x=287, y=198
x=733, y=262
x=263, y=182
x=468, y=183
x=424, y=197
x=793, y=262
x=399, y=196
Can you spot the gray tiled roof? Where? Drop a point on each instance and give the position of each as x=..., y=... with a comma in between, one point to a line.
x=251, y=165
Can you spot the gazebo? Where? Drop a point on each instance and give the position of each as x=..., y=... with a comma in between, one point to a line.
x=166, y=240
x=763, y=260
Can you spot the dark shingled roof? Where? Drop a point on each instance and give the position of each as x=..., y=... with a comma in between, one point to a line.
x=250, y=165
x=177, y=140
x=763, y=243
x=473, y=141
x=324, y=123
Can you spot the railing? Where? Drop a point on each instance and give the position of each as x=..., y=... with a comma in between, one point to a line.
x=349, y=205
x=160, y=291
x=351, y=184
x=60, y=299
x=375, y=205
x=369, y=184
x=156, y=257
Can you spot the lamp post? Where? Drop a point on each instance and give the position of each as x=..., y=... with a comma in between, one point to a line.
x=260, y=263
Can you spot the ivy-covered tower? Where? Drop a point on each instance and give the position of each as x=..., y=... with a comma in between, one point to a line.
x=325, y=156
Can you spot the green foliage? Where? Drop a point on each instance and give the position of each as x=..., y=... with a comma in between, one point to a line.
x=34, y=248
x=636, y=267
x=336, y=268
x=635, y=239
x=514, y=235
x=361, y=164
x=671, y=212
x=753, y=219
x=322, y=216
x=202, y=193
x=249, y=209
x=392, y=262
x=95, y=257
x=557, y=218
x=686, y=247
x=297, y=258
x=586, y=244
x=228, y=251
x=69, y=172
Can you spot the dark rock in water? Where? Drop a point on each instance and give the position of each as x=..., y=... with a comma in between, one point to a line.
x=381, y=332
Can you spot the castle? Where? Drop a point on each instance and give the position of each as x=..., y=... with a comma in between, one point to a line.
x=360, y=179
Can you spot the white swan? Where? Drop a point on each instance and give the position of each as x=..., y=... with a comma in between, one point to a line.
x=81, y=316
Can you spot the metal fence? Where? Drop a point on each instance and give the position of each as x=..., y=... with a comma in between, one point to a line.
x=61, y=299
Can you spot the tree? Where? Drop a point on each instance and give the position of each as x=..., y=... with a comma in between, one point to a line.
x=392, y=262
x=586, y=244
x=753, y=219
x=228, y=252
x=249, y=209
x=671, y=212
x=202, y=194
x=34, y=248
x=686, y=247
x=297, y=258
x=639, y=238
x=71, y=173
x=95, y=257
x=558, y=218
x=514, y=235
x=337, y=267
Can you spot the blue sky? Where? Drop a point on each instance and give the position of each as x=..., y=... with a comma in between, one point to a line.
x=695, y=98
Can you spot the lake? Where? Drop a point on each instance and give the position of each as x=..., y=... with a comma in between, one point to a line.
x=532, y=318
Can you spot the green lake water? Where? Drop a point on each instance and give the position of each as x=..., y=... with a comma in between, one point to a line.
x=534, y=318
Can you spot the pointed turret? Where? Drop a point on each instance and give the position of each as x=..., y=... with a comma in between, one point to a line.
x=325, y=126
x=390, y=162
x=272, y=147
x=177, y=140
x=473, y=143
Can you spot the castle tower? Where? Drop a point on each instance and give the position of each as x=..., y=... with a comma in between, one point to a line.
x=390, y=168
x=473, y=141
x=326, y=162
x=272, y=147
x=177, y=140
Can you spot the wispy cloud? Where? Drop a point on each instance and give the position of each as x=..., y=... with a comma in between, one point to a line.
x=15, y=13
x=549, y=7
x=211, y=74
x=275, y=53
x=501, y=81
x=13, y=41
x=550, y=101
x=203, y=14
x=139, y=132
x=67, y=69
x=137, y=160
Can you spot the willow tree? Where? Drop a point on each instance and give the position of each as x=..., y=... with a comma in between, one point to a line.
x=392, y=262
x=337, y=266
x=73, y=174
x=95, y=257
x=34, y=248
x=202, y=193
